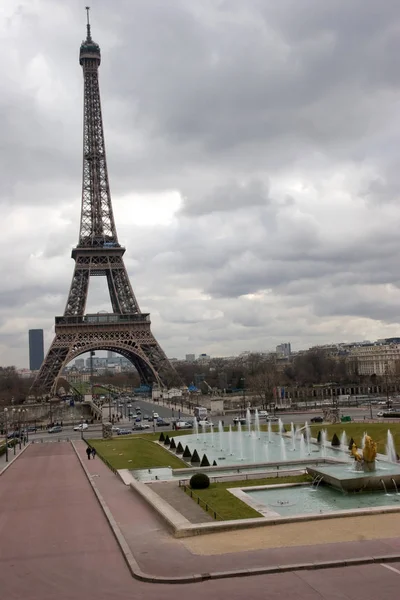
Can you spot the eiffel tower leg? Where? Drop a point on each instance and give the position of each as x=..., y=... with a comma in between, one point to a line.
x=46, y=379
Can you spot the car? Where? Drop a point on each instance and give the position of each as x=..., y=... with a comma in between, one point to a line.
x=146, y=417
x=13, y=434
x=130, y=406
x=124, y=432
x=317, y=419
x=138, y=419
x=183, y=425
x=240, y=420
x=263, y=413
x=205, y=424
x=81, y=427
x=115, y=428
x=379, y=414
x=156, y=415
x=140, y=426
x=161, y=423
x=138, y=411
x=272, y=418
x=55, y=429
x=32, y=429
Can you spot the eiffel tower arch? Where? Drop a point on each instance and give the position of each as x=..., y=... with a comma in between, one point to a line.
x=126, y=330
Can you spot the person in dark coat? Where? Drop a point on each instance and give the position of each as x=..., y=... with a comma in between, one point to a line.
x=93, y=452
x=88, y=452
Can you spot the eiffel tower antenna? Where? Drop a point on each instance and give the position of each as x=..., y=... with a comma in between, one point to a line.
x=126, y=330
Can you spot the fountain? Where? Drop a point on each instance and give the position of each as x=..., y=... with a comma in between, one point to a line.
x=254, y=442
x=390, y=447
x=283, y=450
x=344, y=444
x=230, y=441
x=292, y=433
x=220, y=435
x=308, y=438
x=212, y=435
x=248, y=421
x=240, y=434
x=269, y=432
x=257, y=425
x=384, y=487
x=324, y=440
x=395, y=486
x=266, y=452
x=280, y=427
x=302, y=446
x=363, y=440
x=196, y=429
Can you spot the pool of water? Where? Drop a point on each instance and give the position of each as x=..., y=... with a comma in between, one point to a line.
x=300, y=500
x=343, y=472
x=235, y=448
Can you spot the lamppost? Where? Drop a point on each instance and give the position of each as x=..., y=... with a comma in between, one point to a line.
x=244, y=394
x=14, y=440
x=6, y=429
x=24, y=427
x=82, y=427
x=19, y=428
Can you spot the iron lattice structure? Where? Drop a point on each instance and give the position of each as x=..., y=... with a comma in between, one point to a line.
x=126, y=330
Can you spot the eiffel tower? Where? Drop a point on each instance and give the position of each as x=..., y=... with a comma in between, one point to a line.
x=126, y=330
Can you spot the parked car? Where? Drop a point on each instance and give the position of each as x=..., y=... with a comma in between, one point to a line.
x=124, y=432
x=115, y=429
x=81, y=427
x=240, y=420
x=129, y=405
x=55, y=429
x=263, y=413
x=32, y=429
x=156, y=415
x=272, y=418
x=206, y=423
x=138, y=419
x=140, y=426
x=162, y=423
x=317, y=420
x=13, y=434
x=183, y=425
x=146, y=417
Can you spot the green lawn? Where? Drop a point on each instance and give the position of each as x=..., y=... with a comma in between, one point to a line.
x=378, y=432
x=135, y=453
x=218, y=499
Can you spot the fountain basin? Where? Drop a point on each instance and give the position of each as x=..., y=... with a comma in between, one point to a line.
x=348, y=479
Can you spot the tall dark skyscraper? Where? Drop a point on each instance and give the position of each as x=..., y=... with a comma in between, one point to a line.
x=36, y=349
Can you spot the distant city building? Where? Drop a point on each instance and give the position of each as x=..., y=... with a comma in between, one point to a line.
x=190, y=357
x=36, y=349
x=110, y=354
x=204, y=357
x=79, y=363
x=284, y=350
x=375, y=359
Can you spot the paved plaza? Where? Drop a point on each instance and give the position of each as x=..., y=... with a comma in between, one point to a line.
x=57, y=543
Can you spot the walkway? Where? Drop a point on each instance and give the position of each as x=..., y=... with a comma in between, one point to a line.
x=56, y=543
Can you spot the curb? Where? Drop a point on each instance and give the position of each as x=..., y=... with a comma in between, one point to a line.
x=137, y=573
x=4, y=469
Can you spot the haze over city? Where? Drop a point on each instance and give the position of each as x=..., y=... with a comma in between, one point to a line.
x=253, y=163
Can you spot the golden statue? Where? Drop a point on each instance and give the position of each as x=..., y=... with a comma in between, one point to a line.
x=368, y=456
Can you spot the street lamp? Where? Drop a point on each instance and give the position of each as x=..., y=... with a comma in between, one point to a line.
x=13, y=411
x=19, y=427
x=82, y=427
x=6, y=429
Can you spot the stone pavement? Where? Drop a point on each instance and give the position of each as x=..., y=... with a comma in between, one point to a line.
x=170, y=492
x=56, y=543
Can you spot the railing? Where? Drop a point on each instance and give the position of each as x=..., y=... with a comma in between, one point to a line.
x=102, y=318
x=201, y=502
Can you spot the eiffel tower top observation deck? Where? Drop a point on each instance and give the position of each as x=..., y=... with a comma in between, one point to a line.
x=125, y=330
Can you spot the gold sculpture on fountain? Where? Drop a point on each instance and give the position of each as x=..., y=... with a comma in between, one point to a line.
x=365, y=460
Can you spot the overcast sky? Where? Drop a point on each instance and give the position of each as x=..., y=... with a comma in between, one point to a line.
x=253, y=151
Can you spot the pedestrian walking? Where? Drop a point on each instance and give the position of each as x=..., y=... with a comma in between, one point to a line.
x=93, y=452
x=88, y=452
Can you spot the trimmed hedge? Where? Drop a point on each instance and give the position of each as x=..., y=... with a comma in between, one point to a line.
x=199, y=481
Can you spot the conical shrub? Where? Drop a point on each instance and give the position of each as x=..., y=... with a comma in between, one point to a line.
x=167, y=441
x=351, y=442
x=195, y=458
x=204, y=461
x=179, y=448
x=172, y=444
x=187, y=453
x=161, y=438
x=215, y=464
x=335, y=440
x=319, y=436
